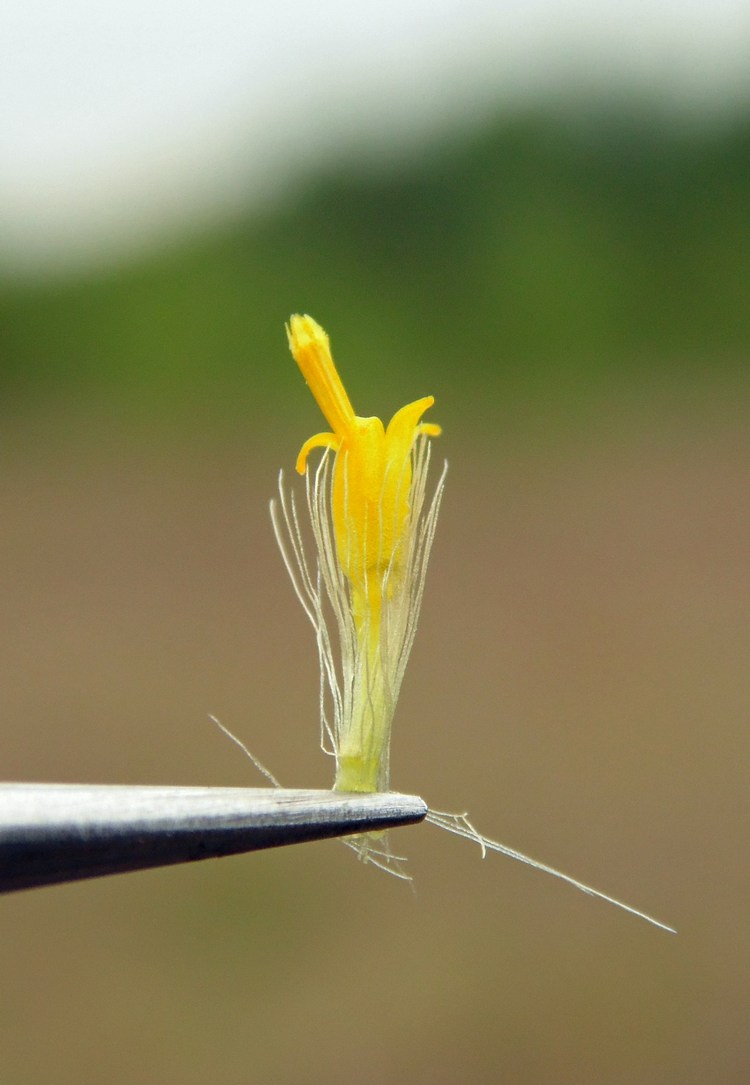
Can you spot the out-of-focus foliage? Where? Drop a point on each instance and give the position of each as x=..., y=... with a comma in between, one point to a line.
x=538, y=252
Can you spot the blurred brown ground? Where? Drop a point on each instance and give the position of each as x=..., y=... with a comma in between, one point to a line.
x=580, y=683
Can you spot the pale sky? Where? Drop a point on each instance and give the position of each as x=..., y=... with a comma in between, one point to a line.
x=121, y=120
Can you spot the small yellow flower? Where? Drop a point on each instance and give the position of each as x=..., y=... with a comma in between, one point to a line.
x=373, y=535
x=372, y=475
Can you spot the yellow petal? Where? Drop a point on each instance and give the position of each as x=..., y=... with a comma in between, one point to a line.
x=357, y=487
x=320, y=440
x=405, y=425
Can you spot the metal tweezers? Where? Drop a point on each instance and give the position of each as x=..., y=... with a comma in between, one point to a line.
x=51, y=833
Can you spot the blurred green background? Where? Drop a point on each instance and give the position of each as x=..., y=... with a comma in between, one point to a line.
x=570, y=280
x=551, y=253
